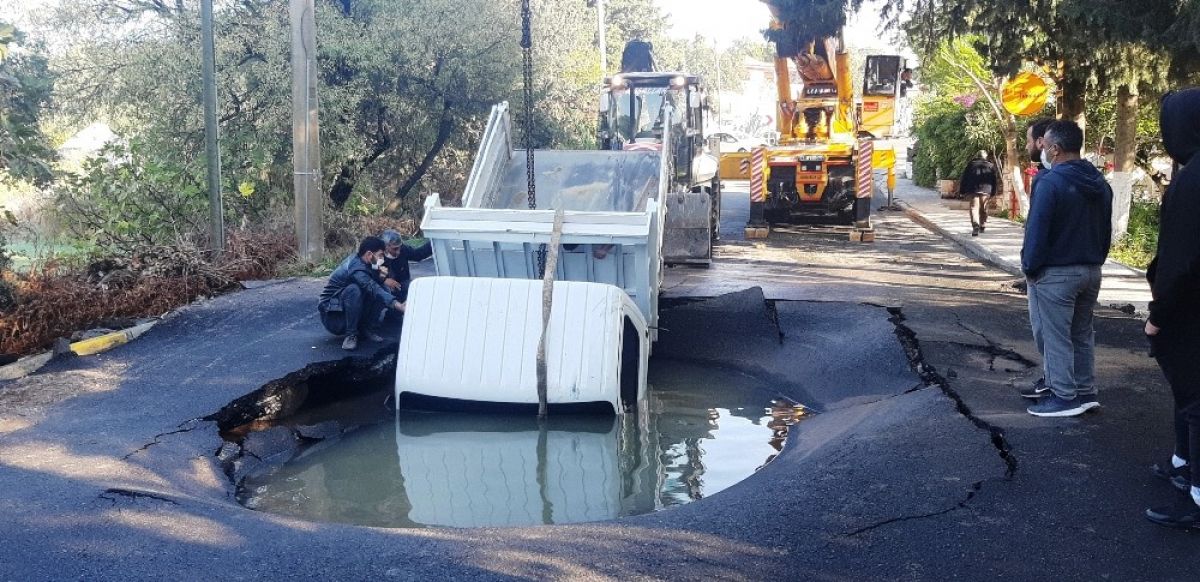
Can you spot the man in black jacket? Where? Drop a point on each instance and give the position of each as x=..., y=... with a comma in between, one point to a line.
x=979, y=182
x=353, y=300
x=1174, y=323
x=397, y=276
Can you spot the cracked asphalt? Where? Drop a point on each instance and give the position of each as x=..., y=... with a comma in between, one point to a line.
x=919, y=464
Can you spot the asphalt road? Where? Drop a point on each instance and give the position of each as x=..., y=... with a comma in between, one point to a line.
x=921, y=463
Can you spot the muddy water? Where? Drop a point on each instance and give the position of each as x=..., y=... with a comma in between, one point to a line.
x=700, y=431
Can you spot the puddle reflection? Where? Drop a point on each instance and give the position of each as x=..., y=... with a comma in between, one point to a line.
x=700, y=431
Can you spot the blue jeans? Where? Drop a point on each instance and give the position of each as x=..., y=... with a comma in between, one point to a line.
x=1061, y=301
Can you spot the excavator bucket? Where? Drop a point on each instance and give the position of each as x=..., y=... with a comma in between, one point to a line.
x=688, y=232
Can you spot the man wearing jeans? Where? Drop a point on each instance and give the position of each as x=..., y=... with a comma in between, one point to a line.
x=1066, y=242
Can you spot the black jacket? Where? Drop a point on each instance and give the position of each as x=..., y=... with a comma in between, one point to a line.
x=1070, y=219
x=980, y=177
x=1175, y=273
x=353, y=271
x=397, y=267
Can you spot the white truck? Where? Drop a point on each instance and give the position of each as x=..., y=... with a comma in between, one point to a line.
x=471, y=333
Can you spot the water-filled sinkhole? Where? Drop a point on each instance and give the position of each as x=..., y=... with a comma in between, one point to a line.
x=700, y=430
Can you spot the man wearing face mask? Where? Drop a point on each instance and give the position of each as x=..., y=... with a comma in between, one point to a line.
x=1067, y=240
x=396, y=257
x=353, y=301
x=1034, y=134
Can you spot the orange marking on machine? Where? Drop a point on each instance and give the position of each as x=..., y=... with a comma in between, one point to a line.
x=863, y=172
x=758, y=178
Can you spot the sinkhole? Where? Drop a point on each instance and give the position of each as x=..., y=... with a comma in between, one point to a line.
x=325, y=444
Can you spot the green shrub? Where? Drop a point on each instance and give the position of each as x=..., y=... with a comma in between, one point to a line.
x=1140, y=242
x=948, y=136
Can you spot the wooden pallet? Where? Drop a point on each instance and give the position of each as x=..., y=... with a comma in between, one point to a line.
x=862, y=235
x=757, y=232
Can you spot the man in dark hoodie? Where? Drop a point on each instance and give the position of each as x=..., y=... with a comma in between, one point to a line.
x=1174, y=323
x=979, y=182
x=1067, y=238
x=354, y=300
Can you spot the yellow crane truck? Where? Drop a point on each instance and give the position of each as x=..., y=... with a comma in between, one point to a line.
x=828, y=149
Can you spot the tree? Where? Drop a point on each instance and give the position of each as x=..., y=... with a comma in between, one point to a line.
x=405, y=90
x=25, y=92
x=807, y=20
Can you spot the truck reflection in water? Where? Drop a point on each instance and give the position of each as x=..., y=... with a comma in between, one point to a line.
x=701, y=430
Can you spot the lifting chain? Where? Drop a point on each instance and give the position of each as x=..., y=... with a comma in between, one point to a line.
x=527, y=54
x=530, y=175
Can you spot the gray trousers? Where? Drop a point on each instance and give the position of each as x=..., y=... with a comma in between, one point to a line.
x=1061, y=301
x=978, y=209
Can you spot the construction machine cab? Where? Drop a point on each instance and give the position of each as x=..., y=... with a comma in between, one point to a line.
x=645, y=109
x=885, y=79
x=632, y=113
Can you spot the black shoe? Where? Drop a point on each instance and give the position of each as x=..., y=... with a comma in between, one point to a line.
x=1184, y=514
x=974, y=231
x=1178, y=477
x=1036, y=390
x=982, y=228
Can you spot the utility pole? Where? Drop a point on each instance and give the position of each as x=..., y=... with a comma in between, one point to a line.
x=212, y=149
x=603, y=44
x=306, y=142
x=720, y=95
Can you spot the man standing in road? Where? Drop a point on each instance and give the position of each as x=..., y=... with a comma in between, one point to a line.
x=1174, y=323
x=1067, y=240
x=353, y=301
x=979, y=182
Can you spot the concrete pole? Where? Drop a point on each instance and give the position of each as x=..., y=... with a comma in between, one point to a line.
x=212, y=149
x=720, y=95
x=600, y=34
x=306, y=143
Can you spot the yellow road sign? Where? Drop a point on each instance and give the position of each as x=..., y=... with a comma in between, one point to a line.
x=1025, y=94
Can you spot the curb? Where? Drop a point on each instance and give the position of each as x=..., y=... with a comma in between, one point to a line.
x=973, y=249
x=30, y=364
x=982, y=253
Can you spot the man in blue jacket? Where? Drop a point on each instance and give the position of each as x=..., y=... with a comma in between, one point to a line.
x=1067, y=239
x=353, y=301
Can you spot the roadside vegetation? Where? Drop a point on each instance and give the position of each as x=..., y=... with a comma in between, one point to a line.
x=1138, y=246
x=1108, y=79
x=116, y=227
